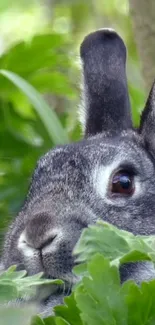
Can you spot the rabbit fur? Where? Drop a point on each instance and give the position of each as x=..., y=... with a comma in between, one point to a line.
x=71, y=184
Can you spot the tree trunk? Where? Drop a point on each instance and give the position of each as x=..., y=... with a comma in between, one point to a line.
x=143, y=18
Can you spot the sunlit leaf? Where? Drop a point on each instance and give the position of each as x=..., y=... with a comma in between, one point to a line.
x=47, y=115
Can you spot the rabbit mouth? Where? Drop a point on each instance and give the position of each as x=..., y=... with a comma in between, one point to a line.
x=69, y=281
x=45, y=292
x=55, y=291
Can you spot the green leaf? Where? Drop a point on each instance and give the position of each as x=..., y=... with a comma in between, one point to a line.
x=16, y=316
x=69, y=311
x=80, y=269
x=12, y=275
x=60, y=321
x=55, y=321
x=8, y=291
x=134, y=256
x=98, y=297
x=36, y=320
x=42, y=52
x=10, y=270
x=47, y=115
x=140, y=302
x=14, y=284
x=117, y=245
x=103, y=240
x=54, y=82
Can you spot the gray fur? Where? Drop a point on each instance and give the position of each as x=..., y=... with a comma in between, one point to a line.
x=70, y=188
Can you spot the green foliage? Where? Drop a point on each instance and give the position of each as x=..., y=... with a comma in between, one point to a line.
x=119, y=246
x=4, y=4
x=17, y=316
x=54, y=128
x=14, y=284
x=98, y=298
x=28, y=125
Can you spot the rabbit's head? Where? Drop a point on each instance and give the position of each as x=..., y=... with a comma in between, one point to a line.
x=110, y=174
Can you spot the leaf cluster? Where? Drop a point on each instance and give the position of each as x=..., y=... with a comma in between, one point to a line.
x=98, y=297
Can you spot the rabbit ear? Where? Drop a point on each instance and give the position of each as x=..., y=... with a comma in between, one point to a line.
x=147, y=123
x=105, y=95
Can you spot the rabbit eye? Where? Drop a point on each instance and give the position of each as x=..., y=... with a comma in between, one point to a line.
x=122, y=183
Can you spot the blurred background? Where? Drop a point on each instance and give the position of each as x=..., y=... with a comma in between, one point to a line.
x=39, y=41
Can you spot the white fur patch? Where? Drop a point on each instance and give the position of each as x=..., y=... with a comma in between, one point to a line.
x=24, y=247
x=82, y=116
x=101, y=176
x=82, y=109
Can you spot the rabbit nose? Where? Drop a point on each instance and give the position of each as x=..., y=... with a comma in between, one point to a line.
x=49, y=240
x=34, y=243
x=39, y=232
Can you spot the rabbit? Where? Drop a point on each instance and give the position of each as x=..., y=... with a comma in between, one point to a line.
x=109, y=174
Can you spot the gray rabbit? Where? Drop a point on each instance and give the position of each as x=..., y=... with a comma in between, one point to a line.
x=109, y=174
